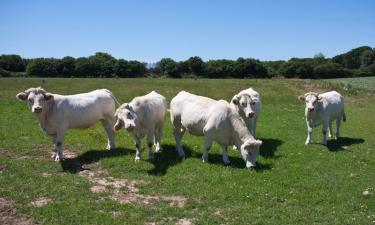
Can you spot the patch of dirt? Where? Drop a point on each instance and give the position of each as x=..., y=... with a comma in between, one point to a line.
x=12, y=154
x=8, y=214
x=184, y=221
x=40, y=202
x=126, y=191
x=44, y=174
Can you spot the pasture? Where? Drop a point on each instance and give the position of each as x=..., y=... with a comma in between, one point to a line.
x=293, y=184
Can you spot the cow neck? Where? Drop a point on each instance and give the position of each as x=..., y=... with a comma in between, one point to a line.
x=240, y=132
x=44, y=116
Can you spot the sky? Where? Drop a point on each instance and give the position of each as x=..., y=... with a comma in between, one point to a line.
x=149, y=30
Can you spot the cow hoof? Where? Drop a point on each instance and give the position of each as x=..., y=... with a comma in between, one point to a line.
x=137, y=159
x=307, y=143
x=57, y=158
x=157, y=150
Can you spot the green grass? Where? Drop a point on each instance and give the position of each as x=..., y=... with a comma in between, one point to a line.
x=366, y=84
x=293, y=184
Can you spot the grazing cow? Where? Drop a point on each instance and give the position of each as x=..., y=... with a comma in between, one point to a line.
x=217, y=121
x=143, y=115
x=247, y=103
x=323, y=109
x=57, y=113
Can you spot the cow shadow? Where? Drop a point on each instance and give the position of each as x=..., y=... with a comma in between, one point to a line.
x=342, y=143
x=76, y=164
x=166, y=158
x=269, y=147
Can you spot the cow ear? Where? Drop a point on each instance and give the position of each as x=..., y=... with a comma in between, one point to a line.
x=320, y=97
x=236, y=99
x=48, y=96
x=119, y=124
x=22, y=96
x=301, y=98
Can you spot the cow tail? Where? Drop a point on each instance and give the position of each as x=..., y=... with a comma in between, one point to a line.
x=343, y=116
x=113, y=97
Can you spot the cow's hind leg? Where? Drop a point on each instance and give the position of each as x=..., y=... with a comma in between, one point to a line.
x=138, y=148
x=338, y=123
x=150, y=143
x=108, y=127
x=178, y=133
x=158, y=135
x=324, y=132
x=207, y=145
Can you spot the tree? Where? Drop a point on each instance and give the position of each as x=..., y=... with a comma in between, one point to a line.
x=13, y=63
x=351, y=59
x=66, y=66
x=195, y=65
x=43, y=67
x=331, y=70
x=104, y=64
x=169, y=67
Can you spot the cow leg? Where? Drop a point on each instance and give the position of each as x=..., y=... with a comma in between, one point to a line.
x=150, y=143
x=108, y=127
x=324, y=132
x=138, y=148
x=330, y=133
x=225, y=156
x=59, y=138
x=207, y=146
x=338, y=123
x=178, y=134
x=158, y=134
x=309, y=133
x=253, y=128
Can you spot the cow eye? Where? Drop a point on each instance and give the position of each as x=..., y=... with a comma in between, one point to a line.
x=252, y=103
x=243, y=104
x=129, y=115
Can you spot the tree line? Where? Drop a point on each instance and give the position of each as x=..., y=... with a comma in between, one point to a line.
x=354, y=63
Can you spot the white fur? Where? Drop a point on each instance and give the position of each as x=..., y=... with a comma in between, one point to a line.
x=143, y=115
x=323, y=109
x=248, y=104
x=57, y=113
x=217, y=121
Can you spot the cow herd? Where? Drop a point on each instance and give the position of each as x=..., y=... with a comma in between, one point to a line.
x=228, y=124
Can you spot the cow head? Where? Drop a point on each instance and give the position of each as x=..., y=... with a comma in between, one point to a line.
x=311, y=99
x=37, y=99
x=245, y=104
x=126, y=118
x=249, y=152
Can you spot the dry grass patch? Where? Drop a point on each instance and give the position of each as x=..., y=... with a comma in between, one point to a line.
x=8, y=214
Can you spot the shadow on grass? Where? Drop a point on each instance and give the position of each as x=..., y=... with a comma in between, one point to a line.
x=337, y=145
x=166, y=158
x=269, y=147
x=75, y=165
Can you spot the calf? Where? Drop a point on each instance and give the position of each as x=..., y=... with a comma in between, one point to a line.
x=323, y=109
x=217, y=121
x=247, y=103
x=143, y=115
x=57, y=113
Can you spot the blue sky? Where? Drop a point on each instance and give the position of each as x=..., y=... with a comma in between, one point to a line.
x=151, y=30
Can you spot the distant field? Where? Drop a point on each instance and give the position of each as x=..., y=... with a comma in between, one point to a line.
x=360, y=83
x=293, y=184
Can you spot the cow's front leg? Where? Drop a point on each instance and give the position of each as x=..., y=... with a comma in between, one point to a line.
x=309, y=133
x=324, y=132
x=138, y=148
x=225, y=156
x=59, y=139
x=150, y=143
x=330, y=133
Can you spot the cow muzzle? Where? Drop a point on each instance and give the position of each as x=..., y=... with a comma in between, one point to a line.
x=250, y=114
x=37, y=110
x=130, y=128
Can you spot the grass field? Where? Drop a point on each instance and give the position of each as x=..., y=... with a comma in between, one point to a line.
x=293, y=184
x=366, y=84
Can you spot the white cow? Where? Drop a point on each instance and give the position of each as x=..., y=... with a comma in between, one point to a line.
x=143, y=115
x=248, y=105
x=57, y=113
x=217, y=121
x=323, y=109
